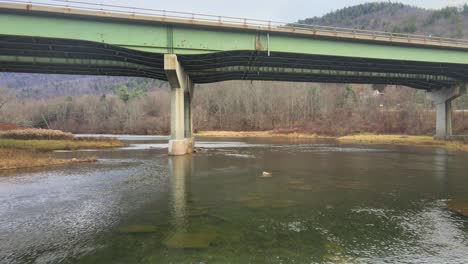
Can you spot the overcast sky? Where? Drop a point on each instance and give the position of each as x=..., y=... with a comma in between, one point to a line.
x=279, y=10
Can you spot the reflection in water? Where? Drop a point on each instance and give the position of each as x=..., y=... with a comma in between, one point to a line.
x=181, y=170
x=324, y=204
x=440, y=164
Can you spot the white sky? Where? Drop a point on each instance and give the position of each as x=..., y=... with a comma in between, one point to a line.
x=279, y=10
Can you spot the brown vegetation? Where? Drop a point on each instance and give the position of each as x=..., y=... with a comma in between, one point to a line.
x=427, y=141
x=46, y=139
x=404, y=140
x=49, y=145
x=5, y=127
x=33, y=133
x=25, y=148
x=324, y=109
x=257, y=134
x=21, y=159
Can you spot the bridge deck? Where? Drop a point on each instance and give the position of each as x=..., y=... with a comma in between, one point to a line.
x=91, y=10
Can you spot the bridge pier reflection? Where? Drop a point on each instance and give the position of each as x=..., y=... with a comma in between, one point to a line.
x=180, y=172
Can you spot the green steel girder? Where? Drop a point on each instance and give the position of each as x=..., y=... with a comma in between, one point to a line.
x=51, y=43
x=72, y=61
x=179, y=39
x=307, y=71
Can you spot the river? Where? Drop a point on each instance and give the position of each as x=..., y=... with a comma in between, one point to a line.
x=324, y=203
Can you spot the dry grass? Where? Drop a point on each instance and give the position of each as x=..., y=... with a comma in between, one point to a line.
x=48, y=145
x=21, y=159
x=4, y=127
x=20, y=149
x=35, y=133
x=46, y=139
x=359, y=138
x=403, y=140
x=258, y=134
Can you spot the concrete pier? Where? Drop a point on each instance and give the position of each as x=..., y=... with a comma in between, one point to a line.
x=181, y=142
x=443, y=100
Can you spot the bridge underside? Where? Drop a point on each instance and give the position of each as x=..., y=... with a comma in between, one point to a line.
x=61, y=56
x=444, y=81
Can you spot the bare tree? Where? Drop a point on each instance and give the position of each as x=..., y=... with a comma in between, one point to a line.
x=6, y=96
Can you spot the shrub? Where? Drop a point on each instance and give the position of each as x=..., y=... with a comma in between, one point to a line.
x=34, y=133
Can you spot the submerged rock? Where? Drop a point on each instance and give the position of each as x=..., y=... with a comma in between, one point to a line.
x=284, y=204
x=137, y=229
x=266, y=175
x=257, y=202
x=296, y=182
x=301, y=188
x=199, y=211
x=353, y=185
x=253, y=201
x=190, y=240
x=459, y=207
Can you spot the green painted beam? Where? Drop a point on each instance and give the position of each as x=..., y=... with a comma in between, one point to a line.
x=162, y=38
x=302, y=71
x=71, y=61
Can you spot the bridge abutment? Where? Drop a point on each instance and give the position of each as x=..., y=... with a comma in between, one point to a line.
x=443, y=100
x=182, y=141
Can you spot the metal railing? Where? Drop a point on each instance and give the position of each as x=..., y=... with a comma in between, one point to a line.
x=238, y=21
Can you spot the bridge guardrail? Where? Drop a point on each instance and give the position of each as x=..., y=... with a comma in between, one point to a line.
x=243, y=22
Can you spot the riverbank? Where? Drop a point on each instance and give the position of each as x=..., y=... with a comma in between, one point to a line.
x=259, y=134
x=49, y=145
x=11, y=159
x=28, y=148
x=405, y=140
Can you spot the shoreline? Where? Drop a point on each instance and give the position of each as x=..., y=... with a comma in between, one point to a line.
x=30, y=148
x=50, y=145
x=260, y=134
x=370, y=139
x=16, y=159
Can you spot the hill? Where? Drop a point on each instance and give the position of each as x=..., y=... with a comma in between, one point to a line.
x=451, y=22
x=52, y=85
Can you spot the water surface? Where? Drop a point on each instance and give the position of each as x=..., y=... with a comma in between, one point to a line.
x=325, y=203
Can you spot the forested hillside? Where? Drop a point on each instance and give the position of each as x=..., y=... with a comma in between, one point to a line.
x=40, y=86
x=136, y=105
x=449, y=22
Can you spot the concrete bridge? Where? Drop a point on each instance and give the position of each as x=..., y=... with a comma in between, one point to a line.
x=72, y=37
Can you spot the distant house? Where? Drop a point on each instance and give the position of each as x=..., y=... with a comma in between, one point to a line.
x=377, y=93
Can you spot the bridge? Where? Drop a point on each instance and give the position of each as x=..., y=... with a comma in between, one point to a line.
x=74, y=37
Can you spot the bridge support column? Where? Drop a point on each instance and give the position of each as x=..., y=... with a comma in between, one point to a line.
x=181, y=142
x=443, y=100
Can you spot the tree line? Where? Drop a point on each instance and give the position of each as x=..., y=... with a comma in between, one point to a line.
x=329, y=109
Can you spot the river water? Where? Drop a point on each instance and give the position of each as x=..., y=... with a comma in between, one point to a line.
x=324, y=203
